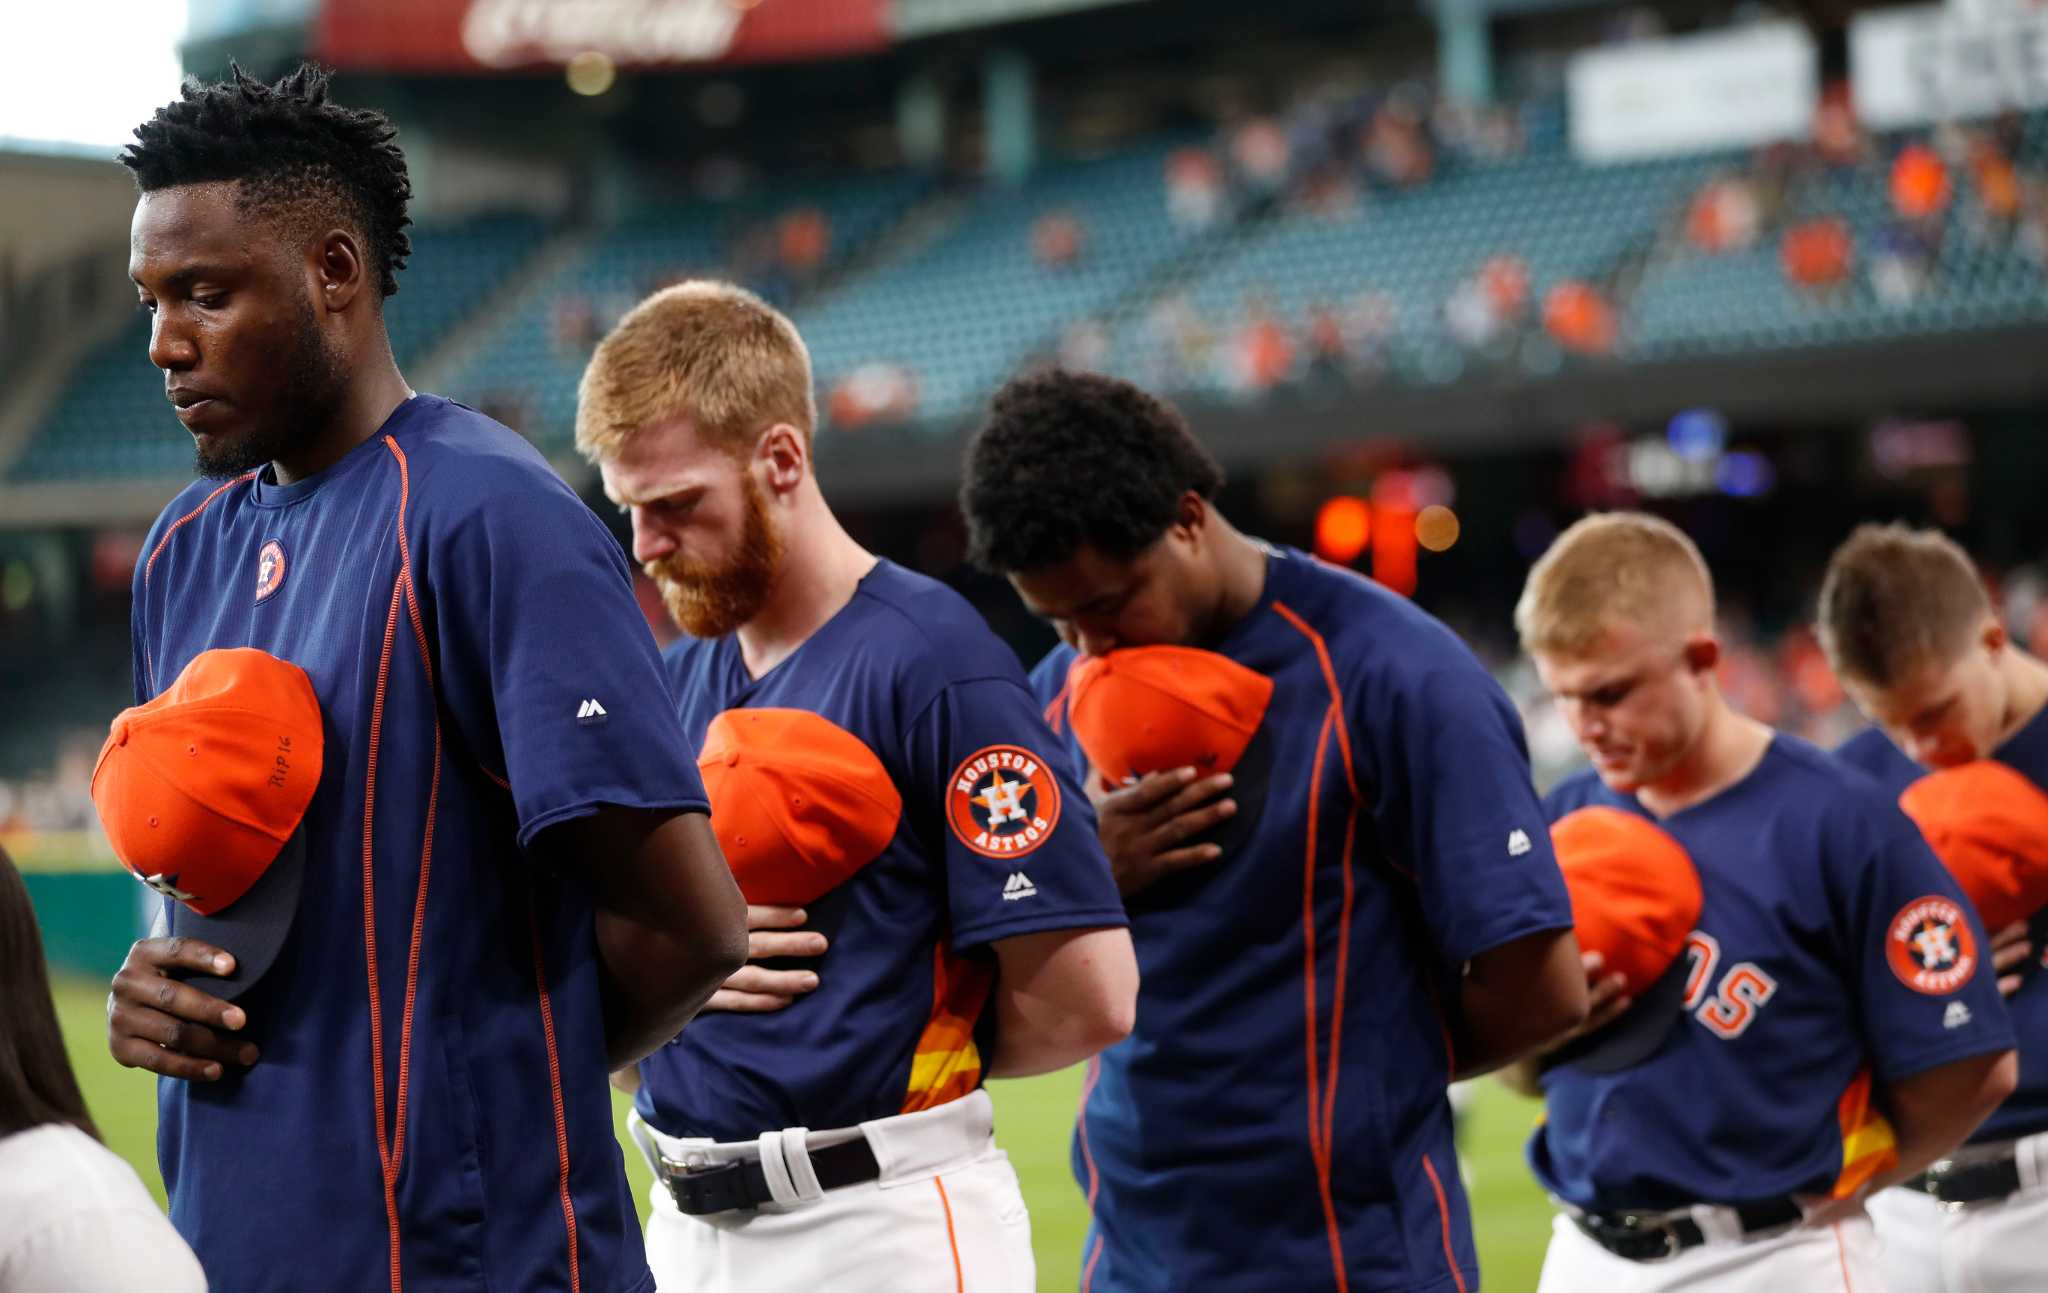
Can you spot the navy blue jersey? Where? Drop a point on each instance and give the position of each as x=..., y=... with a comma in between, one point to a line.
x=483, y=672
x=899, y=1021
x=1879, y=759
x=2025, y=1111
x=1833, y=952
x=1279, y=1111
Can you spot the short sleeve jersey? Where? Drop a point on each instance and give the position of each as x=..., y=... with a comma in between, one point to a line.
x=2025, y=1111
x=1278, y=1116
x=1833, y=955
x=900, y=1020
x=483, y=672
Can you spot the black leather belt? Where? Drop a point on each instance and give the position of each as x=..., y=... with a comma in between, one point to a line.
x=1653, y=1236
x=1961, y=1183
x=744, y=1184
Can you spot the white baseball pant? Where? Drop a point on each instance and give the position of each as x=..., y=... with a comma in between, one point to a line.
x=1843, y=1258
x=2000, y=1246
x=945, y=1216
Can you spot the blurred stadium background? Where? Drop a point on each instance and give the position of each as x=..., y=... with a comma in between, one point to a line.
x=1431, y=276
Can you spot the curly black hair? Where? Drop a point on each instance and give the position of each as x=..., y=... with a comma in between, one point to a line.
x=1072, y=459
x=301, y=160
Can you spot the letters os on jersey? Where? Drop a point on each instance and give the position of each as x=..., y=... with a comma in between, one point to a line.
x=1279, y=1111
x=2025, y=1111
x=430, y=1109
x=1832, y=951
x=994, y=840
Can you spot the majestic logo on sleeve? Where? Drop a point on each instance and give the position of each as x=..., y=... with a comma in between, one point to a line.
x=1003, y=802
x=269, y=569
x=1930, y=946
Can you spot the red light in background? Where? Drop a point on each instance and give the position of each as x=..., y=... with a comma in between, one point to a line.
x=1393, y=557
x=1343, y=528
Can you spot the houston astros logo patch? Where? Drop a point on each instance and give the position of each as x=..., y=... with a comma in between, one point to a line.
x=269, y=569
x=1003, y=801
x=1930, y=946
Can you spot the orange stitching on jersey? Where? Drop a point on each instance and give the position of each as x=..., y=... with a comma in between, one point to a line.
x=419, y=911
x=1094, y=1075
x=1842, y=1255
x=370, y=936
x=1318, y=1144
x=177, y=525
x=959, y=1276
x=547, y=1027
x=1322, y=1086
x=1443, y=1212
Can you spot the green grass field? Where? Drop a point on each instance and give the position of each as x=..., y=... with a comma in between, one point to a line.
x=1033, y=1120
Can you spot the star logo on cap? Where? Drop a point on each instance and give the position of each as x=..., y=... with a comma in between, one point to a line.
x=167, y=885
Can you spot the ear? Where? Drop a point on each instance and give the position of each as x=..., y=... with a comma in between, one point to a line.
x=1993, y=635
x=1191, y=515
x=1703, y=653
x=782, y=457
x=340, y=271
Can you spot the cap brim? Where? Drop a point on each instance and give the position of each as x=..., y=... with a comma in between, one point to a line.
x=253, y=928
x=1640, y=1032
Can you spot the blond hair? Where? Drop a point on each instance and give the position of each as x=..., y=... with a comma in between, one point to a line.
x=1895, y=599
x=707, y=351
x=1608, y=567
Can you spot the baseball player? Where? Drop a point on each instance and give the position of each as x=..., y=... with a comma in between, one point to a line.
x=1371, y=909
x=1910, y=631
x=876, y=762
x=1837, y=1030
x=509, y=886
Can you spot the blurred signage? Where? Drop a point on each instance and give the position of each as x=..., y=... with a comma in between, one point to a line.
x=926, y=17
x=1692, y=94
x=215, y=19
x=480, y=35
x=1944, y=63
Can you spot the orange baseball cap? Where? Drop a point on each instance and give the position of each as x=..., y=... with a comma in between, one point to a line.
x=1989, y=826
x=1635, y=900
x=1156, y=708
x=799, y=804
x=202, y=792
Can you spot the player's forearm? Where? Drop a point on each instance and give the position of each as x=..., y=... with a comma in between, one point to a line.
x=654, y=983
x=670, y=922
x=1061, y=998
x=1517, y=999
x=1931, y=1113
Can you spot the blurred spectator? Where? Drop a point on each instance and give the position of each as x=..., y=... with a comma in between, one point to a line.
x=1837, y=137
x=1397, y=149
x=1995, y=182
x=1919, y=183
x=1369, y=324
x=1258, y=154
x=1902, y=267
x=873, y=393
x=1084, y=346
x=1331, y=362
x=1178, y=343
x=1194, y=188
x=576, y=330
x=803, y=241
x=1816, y=254
x=1262, y=355
x=1578, y=317
x=1057, y=239
x=1724, y=215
